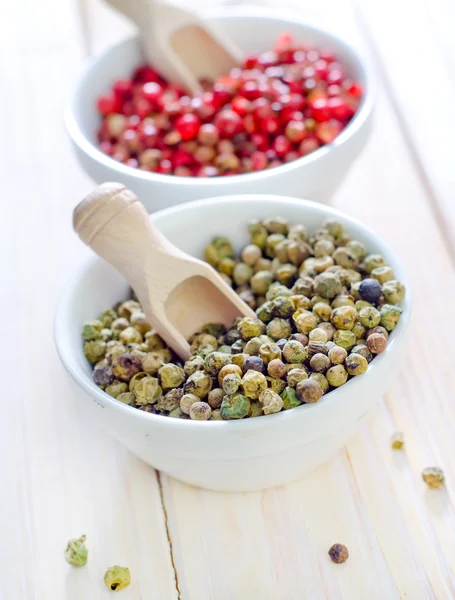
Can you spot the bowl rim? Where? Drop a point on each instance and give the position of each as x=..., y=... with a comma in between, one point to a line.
x=380, y=362
x=354, y=126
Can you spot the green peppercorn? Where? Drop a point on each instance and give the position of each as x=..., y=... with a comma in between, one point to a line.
x=294, y=352
x=390, y=315
x=376, y=343
x=276, y=368
x=177, y=413
x=187, y=401
x=216, y=415
x=258, y=233
x=276, y=290
x=369, y=317
x=116, y=388
x=356, y=364
x=271, y=402
x=76, y=552
x=107, y=317
x=200, y=411
x=226, y=267
x=215, y=397
x=253, y=383
x=117, y=578
x=289, y=397
x=320, y=363
x=271, y=243
x=344, y=317
x=199, y=383
x=345, y=339
x=357, y=249
x=321, y=380
x=242, y=273
x=236, y=406
x=305, y=321
x=309, y=391
x=295, y=376
x=146, y=389
x=328, y=328
x=231, y=383
x=382, y=274
x=139, y=321
x=92, y=330
x=393, y=291
x=127, y=398
x=372, y=261
x=342, y=300
x=433, y=477
x=363, y=350
x=227, y=370
x=250, y=328
x=298, y=232
x=268, y=351
x=337, y=355
x=219, y=248
x=279, y=328
x=154, y=341
x=327, y=285
x=337, y=375
x=322, y=311
x=215, y=361
x=95, y=350
x=171, y=376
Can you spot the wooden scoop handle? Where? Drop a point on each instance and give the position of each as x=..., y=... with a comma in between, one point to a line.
x=114, y=224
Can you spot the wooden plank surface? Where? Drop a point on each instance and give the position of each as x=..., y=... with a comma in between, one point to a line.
x=62, y=476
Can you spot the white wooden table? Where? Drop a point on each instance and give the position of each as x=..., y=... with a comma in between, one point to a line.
x=61, y=476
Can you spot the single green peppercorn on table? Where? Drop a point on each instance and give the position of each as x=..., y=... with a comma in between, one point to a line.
x=63, y=477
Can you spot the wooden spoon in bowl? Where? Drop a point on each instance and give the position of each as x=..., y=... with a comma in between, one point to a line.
x=179, y=44
x=179, y=294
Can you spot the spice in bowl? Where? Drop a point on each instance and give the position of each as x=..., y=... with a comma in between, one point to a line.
x=315, y=329
x=275, y=108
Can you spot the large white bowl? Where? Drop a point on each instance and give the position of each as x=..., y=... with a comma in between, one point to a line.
x=241, y=455
x=315, y=176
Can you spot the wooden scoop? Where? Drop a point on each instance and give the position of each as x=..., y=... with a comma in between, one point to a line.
x=179, y=44
x=179, y=293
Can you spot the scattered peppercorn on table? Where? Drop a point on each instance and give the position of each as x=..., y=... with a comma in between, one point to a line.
x=377, y=521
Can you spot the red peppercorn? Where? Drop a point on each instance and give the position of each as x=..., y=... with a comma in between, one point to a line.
x=165, y=167
x=123, y=89
x=258, y=161
x=326, y=132
x=339, y=109
x=152, y=92
x=308, y=145
x=188, y=126
x=108, y=104
x=241, y=105
x=295, y=131
x=281, y=145
x=282, y=104
x=320, y=110
x=228, y=122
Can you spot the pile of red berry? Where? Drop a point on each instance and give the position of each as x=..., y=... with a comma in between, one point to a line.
x=275, y=108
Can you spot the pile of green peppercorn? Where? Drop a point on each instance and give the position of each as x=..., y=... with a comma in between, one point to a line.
x=324, y=306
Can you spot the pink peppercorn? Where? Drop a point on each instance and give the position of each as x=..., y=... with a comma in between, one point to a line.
x=280, y=105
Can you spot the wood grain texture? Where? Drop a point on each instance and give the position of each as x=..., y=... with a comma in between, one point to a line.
x=62, y=476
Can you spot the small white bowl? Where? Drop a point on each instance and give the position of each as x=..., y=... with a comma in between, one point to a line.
x=315, y=176
x=244, y=455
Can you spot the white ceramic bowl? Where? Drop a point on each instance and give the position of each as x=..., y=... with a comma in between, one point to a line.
x=315, y=176
x=242, y=455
